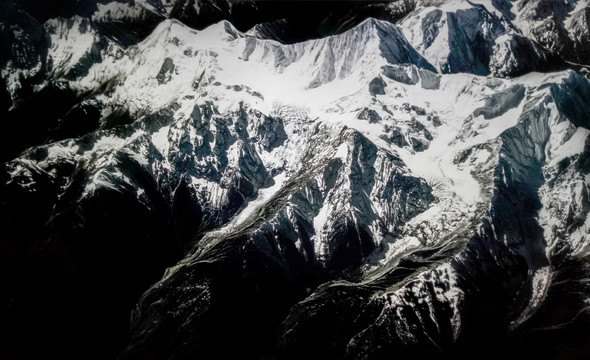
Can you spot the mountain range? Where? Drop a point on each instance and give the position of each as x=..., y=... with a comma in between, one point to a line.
x=189, y=179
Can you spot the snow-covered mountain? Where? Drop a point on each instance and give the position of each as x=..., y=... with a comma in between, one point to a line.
x=408, y=188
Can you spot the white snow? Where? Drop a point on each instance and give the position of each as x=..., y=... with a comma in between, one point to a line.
x=438, y=51
x=243, y=217
x=208, y=192
x=114, y=11
x=317, y=88
x=12, y=75
x=160, y=139
x=489, y=7
x=540, y=281
x=454, y=5
x=573, y=146
x=61, y=150
x=68, y=43
x=254, y=205
x=320, y=220
x=342, y=151
x=580, y=5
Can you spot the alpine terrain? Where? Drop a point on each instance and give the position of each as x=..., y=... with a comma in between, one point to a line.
x=222, y=179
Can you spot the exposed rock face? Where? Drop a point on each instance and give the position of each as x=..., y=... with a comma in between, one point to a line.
x=499, y=103
x=393, y=190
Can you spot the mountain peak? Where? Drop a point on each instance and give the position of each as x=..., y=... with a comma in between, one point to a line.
x=393, y=44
